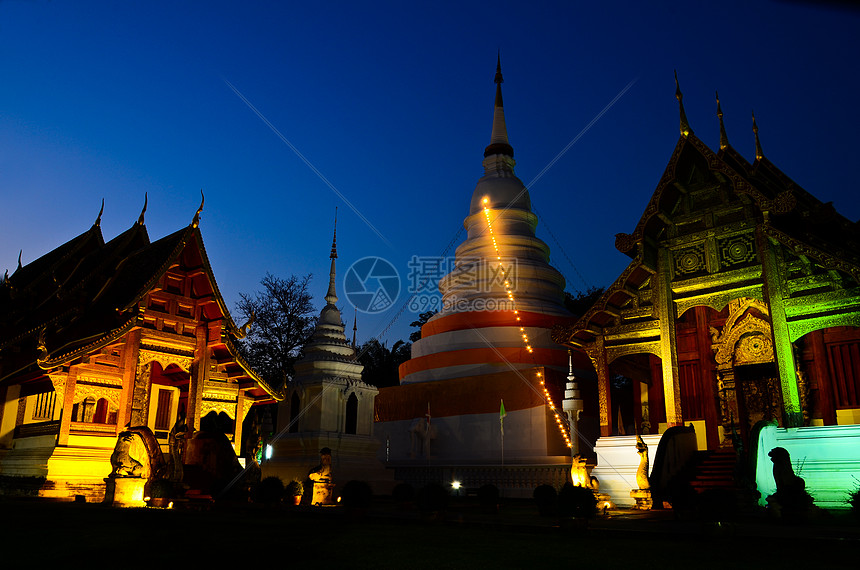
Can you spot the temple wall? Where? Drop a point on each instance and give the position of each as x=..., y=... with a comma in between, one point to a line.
x=467, y=438
x=617, y=462
x=352, y=457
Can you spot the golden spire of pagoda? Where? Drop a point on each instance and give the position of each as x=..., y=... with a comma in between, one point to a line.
x=142, y=212
x=685, y=126
x=759, y=154
x=724, y=139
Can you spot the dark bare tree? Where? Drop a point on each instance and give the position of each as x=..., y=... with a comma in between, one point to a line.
x=284, y=319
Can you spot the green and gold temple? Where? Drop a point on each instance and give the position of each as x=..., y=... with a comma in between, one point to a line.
x=739, y=309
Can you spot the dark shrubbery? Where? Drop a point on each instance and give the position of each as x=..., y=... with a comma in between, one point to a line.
x=269, y=491
x=432, y=498
x=356, y=495
x=488, y=498
x=546, y=499
x=162, y=489
x=403, y=493
x=577, y=502
x=294, y=488
x=792, y=504
x=854, y=501
x=21, y=486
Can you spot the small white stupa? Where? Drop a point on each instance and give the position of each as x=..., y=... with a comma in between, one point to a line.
x=328, y=405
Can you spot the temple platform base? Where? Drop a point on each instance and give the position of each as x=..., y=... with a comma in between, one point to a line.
x=642, y=498
x=125, y=491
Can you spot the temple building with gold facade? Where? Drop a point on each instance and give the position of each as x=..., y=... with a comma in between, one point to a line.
x=96, y=336
x=738, y=314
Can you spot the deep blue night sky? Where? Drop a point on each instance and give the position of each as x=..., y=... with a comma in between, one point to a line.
x=392, y=103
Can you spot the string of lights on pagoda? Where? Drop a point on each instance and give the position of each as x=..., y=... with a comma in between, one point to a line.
x=562, y=426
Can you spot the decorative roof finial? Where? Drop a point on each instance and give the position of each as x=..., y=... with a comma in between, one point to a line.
x=42, y=347
x=498, y=80
x=20, y=253
x=246, y=328
x=570, y=375
x=685, y=126
x=724, y=139
x=331, y=295
x=334, y=237
x=759, y=154
x=354, y=327
x=98, y=221
x=196, y=221
x=499, y=137
x=142, y=212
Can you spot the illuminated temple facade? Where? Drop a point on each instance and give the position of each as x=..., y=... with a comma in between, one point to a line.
x=490, y=342
x=737, y=314
x=96, y=336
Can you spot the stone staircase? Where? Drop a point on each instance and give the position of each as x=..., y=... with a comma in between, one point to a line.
x=713, y=470
x=713, y=474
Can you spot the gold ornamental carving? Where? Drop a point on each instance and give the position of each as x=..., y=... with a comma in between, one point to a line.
x=218, y=406
x=718, y=301
x=744, y=340
x=165, y=359
x=100, y=380
x=754, y=348
x=58, y=381
x=613, y=353
x=598, y=358
x=84, y=391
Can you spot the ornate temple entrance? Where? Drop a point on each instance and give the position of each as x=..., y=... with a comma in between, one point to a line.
x=747, y=377
x=760, y=395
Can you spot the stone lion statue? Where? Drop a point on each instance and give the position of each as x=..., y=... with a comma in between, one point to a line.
x=783, y=473
x=126, y=455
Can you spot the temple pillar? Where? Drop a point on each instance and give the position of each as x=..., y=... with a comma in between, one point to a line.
x=241, y=411
x=774, y=294
x=199, y=376
x=68, y=403
x=130, y=356
x=139, y=409
x=8, y=414
x=597, y=354
x=664, y=309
